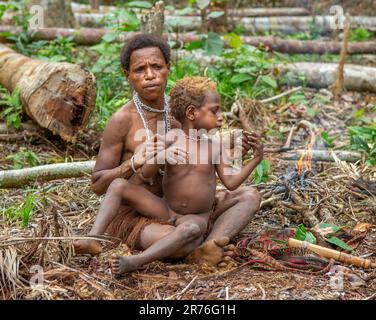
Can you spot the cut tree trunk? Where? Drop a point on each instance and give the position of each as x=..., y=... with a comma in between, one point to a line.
x=92, y=36
x=94, y=4
x=153, y=21
x=57, y=13
x=322, y=75
x=21, y=177
x=58, y=96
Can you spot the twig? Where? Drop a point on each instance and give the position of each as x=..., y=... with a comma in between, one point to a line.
x=263, y=291
x=9, y=242
x=281, y=95
x=184, y=290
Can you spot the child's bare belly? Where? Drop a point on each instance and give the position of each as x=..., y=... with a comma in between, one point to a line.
x=192, y=193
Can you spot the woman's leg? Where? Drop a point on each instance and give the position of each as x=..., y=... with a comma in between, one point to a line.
x=121, y=191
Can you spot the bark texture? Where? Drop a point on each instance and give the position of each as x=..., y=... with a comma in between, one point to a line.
x=58, y=96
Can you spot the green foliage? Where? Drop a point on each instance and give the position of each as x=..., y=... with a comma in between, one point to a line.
x=213, y=44
x=328, y=140
x=360, y=34
x=303, y=235
x=298, y=98
x=361, y=115
x=21, y=40
x=106, y=105
x=23, y=157
x=57, y=50
x=246, y=69
x=13, y=108
x=339, y=243
x=328, y=231
x=22, y=212
x=364, y=139
x=262, y=172
x=138, y=4
x=234, y=40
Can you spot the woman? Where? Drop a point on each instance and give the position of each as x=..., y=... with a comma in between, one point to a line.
x=145, y=60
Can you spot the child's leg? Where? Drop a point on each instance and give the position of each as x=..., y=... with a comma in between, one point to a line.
x=179, y=237
x=119, y=191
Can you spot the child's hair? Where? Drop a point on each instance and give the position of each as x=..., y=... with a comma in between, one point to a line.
x=189, y=91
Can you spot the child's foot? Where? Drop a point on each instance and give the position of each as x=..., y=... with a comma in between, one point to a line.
x=121, y=265
x=214, y=252
x=87, y=246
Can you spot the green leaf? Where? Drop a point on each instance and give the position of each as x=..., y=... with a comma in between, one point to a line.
x=139, y=4
x=213, y=44
x=193, y=45
x=310, y=238
x=234, y=40
x=332, y=227
x=326, y=138
x=311, y=112
x=303, y=235
x=184, y=11
x=111, y=36
x=215, y=14
x=239, y=78
x=202, y=4
x=269, y=81
x=339, y=243
x=176, y=22
x=301, y=232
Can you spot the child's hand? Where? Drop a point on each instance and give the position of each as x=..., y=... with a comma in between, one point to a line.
x=176, y=155
x=148, y=150
x=254, y=140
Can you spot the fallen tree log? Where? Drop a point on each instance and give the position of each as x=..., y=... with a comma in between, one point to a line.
x=309, y=46
x=282, y=24
x=21, y=177
x=323, y=155
x=322, y=75
x=58, y=96
x=244, y=12
x=92, y=36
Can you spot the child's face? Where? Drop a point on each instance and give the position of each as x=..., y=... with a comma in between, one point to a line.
x=209, y=116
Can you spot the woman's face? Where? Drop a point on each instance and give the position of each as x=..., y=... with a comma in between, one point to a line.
x=148, y=73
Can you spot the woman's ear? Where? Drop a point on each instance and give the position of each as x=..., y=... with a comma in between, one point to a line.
x=126, y=73
x=190, y=112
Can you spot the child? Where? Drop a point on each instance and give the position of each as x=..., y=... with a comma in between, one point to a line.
x=189, y=188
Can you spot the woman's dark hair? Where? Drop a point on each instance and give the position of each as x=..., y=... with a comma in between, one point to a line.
x=141, y=41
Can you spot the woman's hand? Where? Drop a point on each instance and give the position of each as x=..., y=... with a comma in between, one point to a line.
x=148, y=150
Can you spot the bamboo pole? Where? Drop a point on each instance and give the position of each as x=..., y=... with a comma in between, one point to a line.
x=332, y=254
x=324, y=155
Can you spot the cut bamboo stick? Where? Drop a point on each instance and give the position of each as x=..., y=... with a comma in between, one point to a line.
x=332, y=254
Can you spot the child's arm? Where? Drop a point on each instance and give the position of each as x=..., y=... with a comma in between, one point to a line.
x=234, y=180
x=171, y=153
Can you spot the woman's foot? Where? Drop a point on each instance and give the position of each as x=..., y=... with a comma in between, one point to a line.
x=121, y=265
x=87, y=246
x=214, y=252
